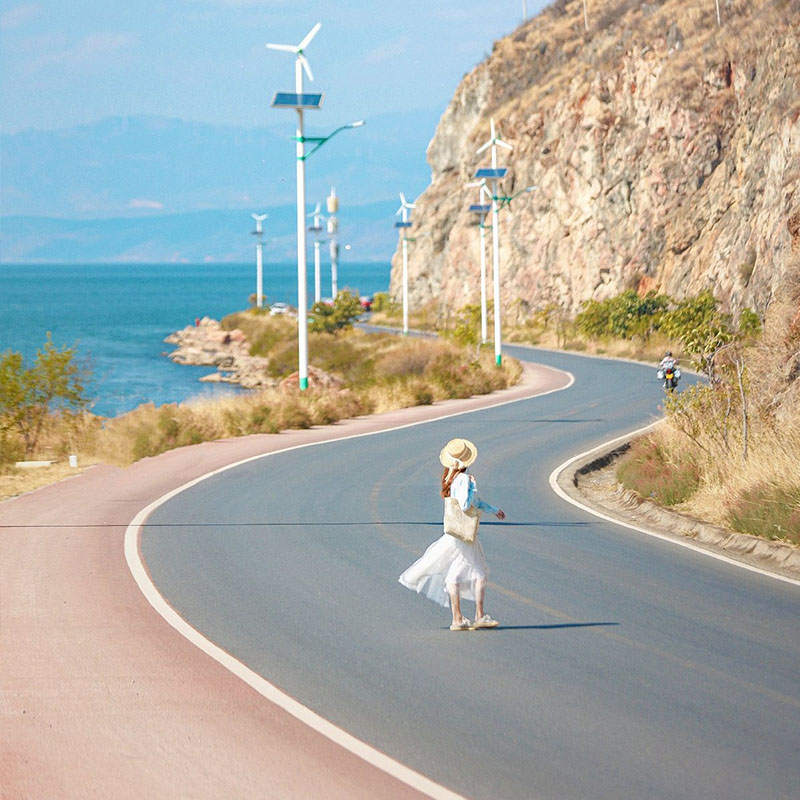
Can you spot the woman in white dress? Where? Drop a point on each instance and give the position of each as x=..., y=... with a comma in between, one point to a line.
x=450, y=568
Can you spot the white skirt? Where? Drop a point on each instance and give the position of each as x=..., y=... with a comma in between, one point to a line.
x=446, y=562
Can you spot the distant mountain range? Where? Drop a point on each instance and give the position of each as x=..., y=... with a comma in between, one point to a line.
x=149, y=188
x=193, y=237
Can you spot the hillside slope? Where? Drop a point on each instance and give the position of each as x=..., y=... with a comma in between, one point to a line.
x=665, y=148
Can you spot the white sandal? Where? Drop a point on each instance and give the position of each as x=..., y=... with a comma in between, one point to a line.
x=464, y=625
x=486, y=622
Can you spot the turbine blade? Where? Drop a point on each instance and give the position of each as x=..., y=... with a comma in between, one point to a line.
x=485, y=146
x=287, y=48
x=501, y=143
x=402, y=199
x=399, y=210
x=306, y=66
x=492, y=128
x=309, y=36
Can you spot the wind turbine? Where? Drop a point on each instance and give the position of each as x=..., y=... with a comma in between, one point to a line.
x=404, y=225
x=301, y=62
x=259, y=218
x=299, y=102
x=316, y=229
x=494, y=174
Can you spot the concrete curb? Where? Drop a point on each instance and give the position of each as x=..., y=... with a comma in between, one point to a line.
x=627, y=506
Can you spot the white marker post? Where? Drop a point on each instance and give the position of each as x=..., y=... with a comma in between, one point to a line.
x=259, y=218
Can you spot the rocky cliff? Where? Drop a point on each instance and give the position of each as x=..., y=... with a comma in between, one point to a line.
x=665, y=149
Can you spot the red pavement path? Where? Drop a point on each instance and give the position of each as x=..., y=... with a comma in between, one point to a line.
x=102, y=699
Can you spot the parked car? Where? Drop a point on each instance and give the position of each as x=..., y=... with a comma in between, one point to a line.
x=279, y=308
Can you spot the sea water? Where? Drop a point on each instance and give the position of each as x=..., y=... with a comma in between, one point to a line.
x=116, y=317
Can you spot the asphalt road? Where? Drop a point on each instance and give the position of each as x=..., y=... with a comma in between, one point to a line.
x=625, y=667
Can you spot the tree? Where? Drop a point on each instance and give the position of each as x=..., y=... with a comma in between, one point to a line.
x=29, y=395
x=330, y=319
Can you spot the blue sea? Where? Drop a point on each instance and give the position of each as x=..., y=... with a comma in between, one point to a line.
x=117, y=316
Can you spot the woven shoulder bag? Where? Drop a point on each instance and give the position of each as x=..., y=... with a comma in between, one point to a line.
x=459, y=523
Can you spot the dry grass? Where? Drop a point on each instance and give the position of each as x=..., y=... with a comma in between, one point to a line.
x=20, y=481
x=747, y=452
x=376, y=373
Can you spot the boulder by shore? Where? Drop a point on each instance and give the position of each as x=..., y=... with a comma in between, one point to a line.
x=207, y=344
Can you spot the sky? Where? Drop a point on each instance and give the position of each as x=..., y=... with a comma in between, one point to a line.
x=64, y=64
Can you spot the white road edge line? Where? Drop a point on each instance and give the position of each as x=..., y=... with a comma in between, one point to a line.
x=272, y=693
x=680, y=542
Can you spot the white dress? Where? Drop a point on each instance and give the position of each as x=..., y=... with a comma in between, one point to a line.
x=448, y=560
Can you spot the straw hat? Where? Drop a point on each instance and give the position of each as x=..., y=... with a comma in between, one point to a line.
x=458, y=453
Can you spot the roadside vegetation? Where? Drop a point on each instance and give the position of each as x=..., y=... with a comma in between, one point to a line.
x=728, y=452
x=351, y=373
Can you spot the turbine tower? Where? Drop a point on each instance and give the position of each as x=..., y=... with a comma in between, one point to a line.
x=259, y=218
x=404, y=225
x=299, y=103
x=495, y=174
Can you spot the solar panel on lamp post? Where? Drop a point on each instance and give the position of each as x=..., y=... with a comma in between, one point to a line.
x=259, y=218
x=301, y=101
x=495, y=174
x=404, y=225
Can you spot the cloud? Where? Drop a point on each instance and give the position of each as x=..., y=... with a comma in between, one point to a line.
x=19, y=16
x=148, y=204
x=84, y=51
x=388, y=51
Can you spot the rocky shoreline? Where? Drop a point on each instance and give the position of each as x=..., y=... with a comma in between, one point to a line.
x=207, y=344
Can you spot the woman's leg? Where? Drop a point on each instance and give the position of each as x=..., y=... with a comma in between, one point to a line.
x=480, y=591
x=455, y=602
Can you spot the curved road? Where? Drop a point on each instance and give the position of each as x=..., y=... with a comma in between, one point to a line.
x=625, y=667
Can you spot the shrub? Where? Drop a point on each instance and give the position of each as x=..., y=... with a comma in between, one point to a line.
x=330, y=319
x=649, y=472
x=54, y=385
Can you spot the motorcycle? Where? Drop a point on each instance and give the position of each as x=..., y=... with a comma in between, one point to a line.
x=670, y=374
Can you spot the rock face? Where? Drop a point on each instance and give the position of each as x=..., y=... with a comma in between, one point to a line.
x=666, y=151
x=207, y=344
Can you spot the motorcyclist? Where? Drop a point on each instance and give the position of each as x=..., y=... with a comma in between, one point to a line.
x=669, y=365
x=668, y=361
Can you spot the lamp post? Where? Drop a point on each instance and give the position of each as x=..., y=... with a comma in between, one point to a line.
x=316, y=229
x=300, y=101
x=404, y=225
x=332, y=204
x=495, y=174
x=259, y=218
x=482, y=209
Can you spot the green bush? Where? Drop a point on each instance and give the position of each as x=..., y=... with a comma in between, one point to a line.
x=624, y=316
x=345, y=310
x=648, y=472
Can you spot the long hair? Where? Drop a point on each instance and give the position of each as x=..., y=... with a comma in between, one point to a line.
x=448, y=476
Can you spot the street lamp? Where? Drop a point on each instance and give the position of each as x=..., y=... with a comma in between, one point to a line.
x=332, y=204
x=316, y=229
x=259, y=218
x=301, y=101
x=404, y=225
x=482, y=209
x=494, y=174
